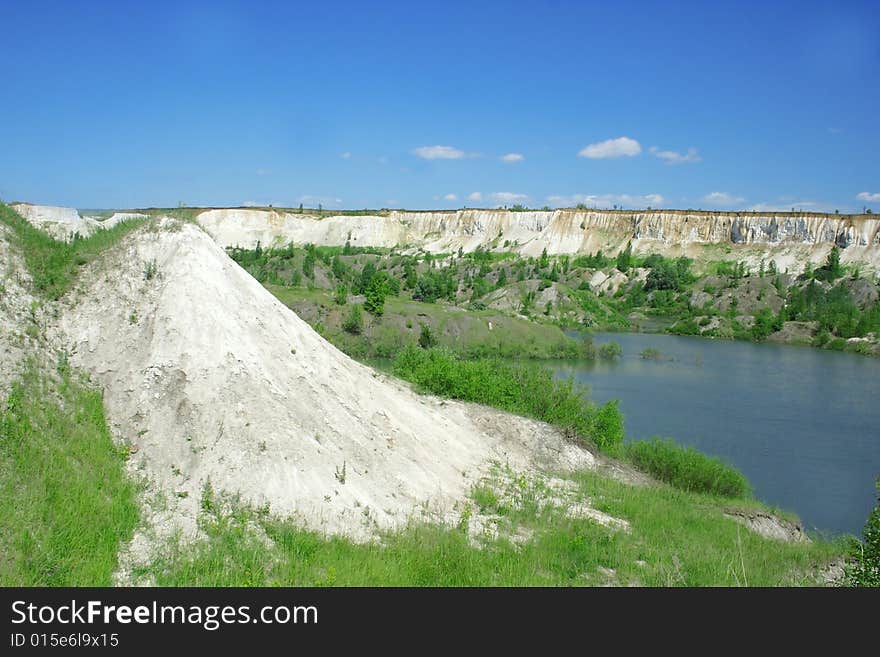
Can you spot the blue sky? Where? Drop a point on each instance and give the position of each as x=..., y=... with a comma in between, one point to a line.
x=406, y=104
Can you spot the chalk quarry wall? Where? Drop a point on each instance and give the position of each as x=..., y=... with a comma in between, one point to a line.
x=791, y=238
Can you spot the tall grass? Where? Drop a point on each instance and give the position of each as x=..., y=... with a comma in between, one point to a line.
x=54, y=264
x=522, y=388
x=686, y=468
x=65, y=503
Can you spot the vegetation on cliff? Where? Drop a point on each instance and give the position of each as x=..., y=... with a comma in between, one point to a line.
x=831, y=306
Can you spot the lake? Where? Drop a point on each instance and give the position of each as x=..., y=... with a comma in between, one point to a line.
x=801, y=423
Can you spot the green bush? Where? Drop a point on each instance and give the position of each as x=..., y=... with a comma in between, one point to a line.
x=686, y=468
x=426, y=337
x=354, y=322
x=651, y=353
x=610, y=351
x=524, y=389
x=865, y=568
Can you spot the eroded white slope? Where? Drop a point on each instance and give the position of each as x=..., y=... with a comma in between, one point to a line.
x=791, y=239
x=63, y=223
x=212, y=378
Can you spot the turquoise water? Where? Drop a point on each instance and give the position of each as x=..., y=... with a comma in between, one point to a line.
x=801, y=423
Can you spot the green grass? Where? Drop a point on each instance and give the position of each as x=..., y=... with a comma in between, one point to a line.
x=53, y=264
x=522, y=388
x=466, y=332
x=675, y=539
x=66, y=505
x=687, y=469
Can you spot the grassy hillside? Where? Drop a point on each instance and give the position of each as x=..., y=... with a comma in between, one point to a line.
x=66, y=504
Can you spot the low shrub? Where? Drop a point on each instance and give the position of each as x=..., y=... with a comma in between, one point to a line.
x=686, y=468
x=524, y=389
x=865, y=556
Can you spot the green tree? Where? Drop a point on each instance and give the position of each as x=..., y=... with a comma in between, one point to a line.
x=339, y=269
x=376, y=292
x=341, y=296
x=624, y=258
x=354, y=321
x=410, y=278
x=831, y=270
x=502, y=278
x=308, y=265
x=544, y=260
x=363, y=281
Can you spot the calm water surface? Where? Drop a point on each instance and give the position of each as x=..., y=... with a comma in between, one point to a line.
x=802, y=424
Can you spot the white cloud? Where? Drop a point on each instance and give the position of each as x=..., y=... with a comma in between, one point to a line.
x=508, y=198
x=868, y=196
x=612, y=148
x=673, y=157
x=346, y=155
x=807, y=206
x=475, y=196
x=450, y=197
x=315, y=201
x=439, y=153
x=392, y=203
x=512, y=158
x=722, y=198
x=606, y=200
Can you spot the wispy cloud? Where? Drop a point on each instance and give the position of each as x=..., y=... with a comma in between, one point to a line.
x=606, y=200
x=346, y=155
x=450, y=197
x=512, y=158
x=611, y=148
x=263, y=172
x=314, y=201
x=673, y=157
x=507, y=198
x=868, y=196
x=476, y=197
x=721, y=198
x=775, y=206
x=439, y=153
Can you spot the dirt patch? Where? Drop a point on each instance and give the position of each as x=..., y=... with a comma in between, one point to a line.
x=768, y=525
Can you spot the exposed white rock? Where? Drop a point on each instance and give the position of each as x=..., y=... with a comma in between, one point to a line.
x=64, y=223
x=213, y=379
x=791, y=239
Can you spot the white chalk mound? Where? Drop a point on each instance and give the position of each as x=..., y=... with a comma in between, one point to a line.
x=64, y=223
x=213, y=379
